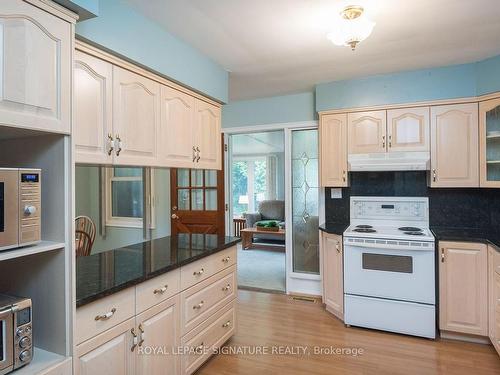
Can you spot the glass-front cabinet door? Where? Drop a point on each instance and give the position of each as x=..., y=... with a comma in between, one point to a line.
x=489, y=122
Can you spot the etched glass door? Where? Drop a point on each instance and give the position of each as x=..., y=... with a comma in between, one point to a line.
x=305, y=196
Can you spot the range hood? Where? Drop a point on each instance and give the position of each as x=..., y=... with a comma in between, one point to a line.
x=390, y=161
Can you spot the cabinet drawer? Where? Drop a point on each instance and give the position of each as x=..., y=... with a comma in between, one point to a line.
x=204, y=268
x=159, y=289
x=101, y=315
x=202, y=300
x=211, y=334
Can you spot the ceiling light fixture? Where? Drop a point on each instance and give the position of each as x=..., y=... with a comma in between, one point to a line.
x=352, y=27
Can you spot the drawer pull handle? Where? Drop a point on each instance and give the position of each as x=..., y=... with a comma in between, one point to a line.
x=161, y=290
x=107, y=315
x=198, y=273
x=141, y=329
x=198, y=306
x=134, y=340
x=226, y=259
x=200, y=347
x=227, y=324
x=226, y=288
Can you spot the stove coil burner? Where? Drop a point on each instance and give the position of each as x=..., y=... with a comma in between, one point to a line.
x=410, y=229
x=414, y=233
x=364, y=226
x=364, y=230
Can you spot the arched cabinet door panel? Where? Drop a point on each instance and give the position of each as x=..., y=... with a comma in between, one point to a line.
x=207, y=135
x=136, y=118
x=333, y=150
x=93, y=126
x=454, y=146
x=367, y=132
x=35, y=79
x=176, y=141
x=408, y=129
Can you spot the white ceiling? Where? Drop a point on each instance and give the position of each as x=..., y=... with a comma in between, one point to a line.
x=274, y=47
x=258, y=143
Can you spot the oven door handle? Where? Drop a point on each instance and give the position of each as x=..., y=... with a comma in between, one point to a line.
x=386, y=246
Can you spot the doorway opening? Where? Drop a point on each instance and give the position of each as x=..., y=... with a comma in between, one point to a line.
x=257, y=207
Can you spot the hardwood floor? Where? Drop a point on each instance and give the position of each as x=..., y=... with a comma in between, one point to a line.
x=272, y=319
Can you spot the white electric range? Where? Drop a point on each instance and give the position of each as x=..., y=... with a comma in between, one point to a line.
x=389, y=266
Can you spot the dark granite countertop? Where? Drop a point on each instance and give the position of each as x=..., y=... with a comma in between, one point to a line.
x=333, y=228
x=468, y=235
x=102, y=274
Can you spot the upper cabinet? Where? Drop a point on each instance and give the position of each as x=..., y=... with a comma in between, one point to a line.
x=93, y=130
x=136, y=117
x=175, y=144
x=126, y=118
x=454, y=146
x=408, y=129
x=333, y=150
x=207, y=136
x=489, y=138
x=367, y=132
x=35, y=82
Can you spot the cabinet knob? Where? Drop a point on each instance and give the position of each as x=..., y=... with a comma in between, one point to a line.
x=119, y=149
x=134, y=339
x=434, y=175
x=142, y=334
x=198, y=306
x=226, y=259
x=442, y=255
x=194, y=154
x=390, y=141
x=227, y=324
x=226, y=288
x=198, y=273
x=383, y=141
x=198, y=154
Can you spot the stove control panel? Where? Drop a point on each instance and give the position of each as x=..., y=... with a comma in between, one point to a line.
x=390, y=208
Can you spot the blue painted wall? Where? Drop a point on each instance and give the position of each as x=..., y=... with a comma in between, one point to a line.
x=488, y=75
x=127, y=32
x=428, y=84
x=447, y=82
x=275, y=109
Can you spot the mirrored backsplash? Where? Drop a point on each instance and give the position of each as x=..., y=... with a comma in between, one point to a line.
x=113, y=198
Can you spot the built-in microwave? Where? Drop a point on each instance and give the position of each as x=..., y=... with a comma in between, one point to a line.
x=20, y=207
x=16, y=333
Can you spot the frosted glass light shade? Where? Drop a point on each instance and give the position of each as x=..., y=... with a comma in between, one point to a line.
x=347, y=32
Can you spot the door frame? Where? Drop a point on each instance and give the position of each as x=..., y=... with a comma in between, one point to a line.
x=296, y=283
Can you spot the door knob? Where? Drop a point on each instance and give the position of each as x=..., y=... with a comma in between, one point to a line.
x=174, y=216
x=174, y=208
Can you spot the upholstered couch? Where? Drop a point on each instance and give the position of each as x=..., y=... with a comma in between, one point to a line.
x=268, y=210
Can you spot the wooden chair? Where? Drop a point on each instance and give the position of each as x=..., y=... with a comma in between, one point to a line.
x=85, y=235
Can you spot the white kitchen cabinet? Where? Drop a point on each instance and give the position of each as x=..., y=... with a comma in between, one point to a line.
x=489, y=141
x=494, y=297
x=111, y=352
x=159, y=327
x=207, y=136
x=408, y=129
x=36, y=55
x=93, y=125
x=333, y=150
x=463, y=288
x=454, y=146
x=176, y=142
x=136, y=118
x=333, y=273
x=367, y=132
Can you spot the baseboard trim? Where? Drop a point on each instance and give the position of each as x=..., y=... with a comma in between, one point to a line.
x=447, y=335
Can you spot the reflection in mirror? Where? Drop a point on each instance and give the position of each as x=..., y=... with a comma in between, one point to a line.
x=113, y=199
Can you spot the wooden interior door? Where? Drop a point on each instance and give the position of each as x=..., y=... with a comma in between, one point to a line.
x=197, y=199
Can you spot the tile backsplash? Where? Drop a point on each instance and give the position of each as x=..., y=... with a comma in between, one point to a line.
x=453, y=207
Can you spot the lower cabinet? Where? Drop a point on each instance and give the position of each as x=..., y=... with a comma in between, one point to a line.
x=138, y=331
x=463, y=288
x=333, y=273
x=158, y=330
x=110, y=353
x=494, y=297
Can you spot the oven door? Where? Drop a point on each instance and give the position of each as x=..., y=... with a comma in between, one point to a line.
x=6, y=341
x=398, y=274
x=9, y=203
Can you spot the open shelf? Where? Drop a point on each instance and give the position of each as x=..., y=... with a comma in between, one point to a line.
x=42, y=360
x=41, y=247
